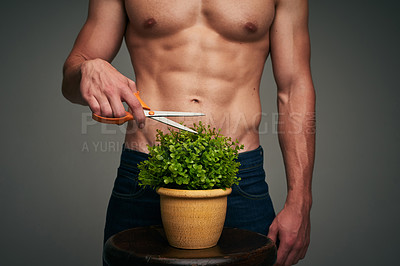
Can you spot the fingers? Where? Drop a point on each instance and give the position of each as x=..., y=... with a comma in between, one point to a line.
x=291, y=249
x=109, y=104
x=100, y=106
x=304, y=250
x=94, y=105
x=290, y=252
x=105, y=107
x=117, y=107
x=292, y=257
x=273, y=231
x=283, y=252
x=273, y=234
x=306, y=243
x=134, y=104
x=104, y=89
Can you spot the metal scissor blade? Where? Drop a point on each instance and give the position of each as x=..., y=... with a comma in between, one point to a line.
x=170, y=113
x=172, y=123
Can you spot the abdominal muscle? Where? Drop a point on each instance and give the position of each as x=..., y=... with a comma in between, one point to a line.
x=197, y=70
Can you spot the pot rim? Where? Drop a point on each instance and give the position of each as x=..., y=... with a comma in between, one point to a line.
x=186, y=193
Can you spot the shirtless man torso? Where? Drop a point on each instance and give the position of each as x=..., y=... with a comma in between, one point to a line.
x=207, y=56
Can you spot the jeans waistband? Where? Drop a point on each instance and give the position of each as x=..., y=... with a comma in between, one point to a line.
x=251, y=159
x=130, y=158
x=247, y=159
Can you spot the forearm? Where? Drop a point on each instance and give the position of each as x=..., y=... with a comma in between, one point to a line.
x=296, y=131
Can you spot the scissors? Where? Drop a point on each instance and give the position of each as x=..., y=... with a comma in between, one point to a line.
x=159, y=116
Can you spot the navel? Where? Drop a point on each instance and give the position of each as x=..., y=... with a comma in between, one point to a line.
x=195, y=101
x=251, y=27
x=149, y=23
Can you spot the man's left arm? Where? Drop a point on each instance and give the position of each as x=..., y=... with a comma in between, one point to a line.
x=290, y=55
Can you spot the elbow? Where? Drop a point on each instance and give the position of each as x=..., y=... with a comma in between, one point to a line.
x=302, y=91
x=70, y=94
x=283, y=97
x=65, y=87
x=65, y=92
x=70, y=85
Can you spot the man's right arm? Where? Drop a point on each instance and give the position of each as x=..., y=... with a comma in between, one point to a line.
x=89, y=79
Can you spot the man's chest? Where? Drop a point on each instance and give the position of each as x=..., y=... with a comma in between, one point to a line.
x=233, y=19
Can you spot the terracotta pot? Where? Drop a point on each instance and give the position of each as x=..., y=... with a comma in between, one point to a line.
x=193, y=219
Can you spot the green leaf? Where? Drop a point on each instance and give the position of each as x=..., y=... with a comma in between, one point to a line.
x=181, y=159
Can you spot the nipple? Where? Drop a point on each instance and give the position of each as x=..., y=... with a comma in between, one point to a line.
x=149, y=23
x=251, y=27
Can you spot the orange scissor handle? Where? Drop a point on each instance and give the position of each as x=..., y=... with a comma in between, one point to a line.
x=113, y=120
x=120, y=120
x=144, y=105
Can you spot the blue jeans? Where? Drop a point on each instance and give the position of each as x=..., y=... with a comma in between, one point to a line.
x=249, y=204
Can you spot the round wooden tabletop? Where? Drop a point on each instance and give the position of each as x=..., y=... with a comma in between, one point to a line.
x=149, y=246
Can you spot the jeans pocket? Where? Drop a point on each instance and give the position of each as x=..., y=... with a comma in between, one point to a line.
x=126, y=185
x=252, y=184
x=252, y=194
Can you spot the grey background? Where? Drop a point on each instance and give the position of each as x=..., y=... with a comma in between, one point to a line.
x=54, y=190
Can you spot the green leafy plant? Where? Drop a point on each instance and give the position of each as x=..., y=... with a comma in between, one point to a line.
x=185, y=160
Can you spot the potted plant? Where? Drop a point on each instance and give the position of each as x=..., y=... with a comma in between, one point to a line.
x=193, y=174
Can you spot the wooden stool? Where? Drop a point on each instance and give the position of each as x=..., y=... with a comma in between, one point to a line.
x=149, y=246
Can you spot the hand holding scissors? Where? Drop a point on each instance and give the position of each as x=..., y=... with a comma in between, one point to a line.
x=159, y=116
